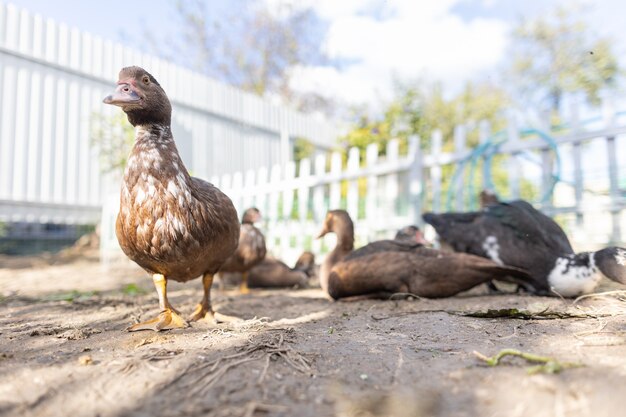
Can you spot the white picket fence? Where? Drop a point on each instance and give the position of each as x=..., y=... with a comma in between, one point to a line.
x=52, y=82
x=384, y=193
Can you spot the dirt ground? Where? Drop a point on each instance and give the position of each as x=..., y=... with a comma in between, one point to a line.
x=64, y=351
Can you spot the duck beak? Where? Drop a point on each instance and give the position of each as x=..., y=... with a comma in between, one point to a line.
x=322, y=233
x=419, y=238
x=122, y=96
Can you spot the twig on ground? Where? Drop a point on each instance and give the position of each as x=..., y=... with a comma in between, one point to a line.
x=550, y=365
x=408, y=313
x=255, y=406
x=507, y=313
x=394, y=379
x=403, y=294
x=199, y=378
x=600, y=294
x=555, y=292
x=514, y=313
x=265, y=368
x=588, y=332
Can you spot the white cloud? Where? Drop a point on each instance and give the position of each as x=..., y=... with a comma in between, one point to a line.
x=411, y=39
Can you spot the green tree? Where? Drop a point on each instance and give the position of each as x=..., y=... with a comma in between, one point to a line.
x=557, y=54
x=420, y=108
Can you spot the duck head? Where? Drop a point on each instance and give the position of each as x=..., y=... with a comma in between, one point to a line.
x=141, y=97
x=251, y=216
x=411, y=234
x=612, y=263
x=338, y=222
x=306, y=263
x=487, y=198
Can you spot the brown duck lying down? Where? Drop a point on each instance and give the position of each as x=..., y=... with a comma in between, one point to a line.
x=272, y=273
x=387, y=267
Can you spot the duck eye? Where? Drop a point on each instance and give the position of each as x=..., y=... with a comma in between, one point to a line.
x=146, y=80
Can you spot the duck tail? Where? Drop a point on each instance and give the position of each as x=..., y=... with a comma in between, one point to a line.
x=520, y=277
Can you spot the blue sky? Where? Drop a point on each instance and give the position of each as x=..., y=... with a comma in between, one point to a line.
x=448, y=40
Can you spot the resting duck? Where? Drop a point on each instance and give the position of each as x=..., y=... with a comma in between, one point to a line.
x=487, y=198
x=411, y=234
x=272, y=273
x=306, y=263
x=174, y=226
x=250, y=251
x=518, y=235
x=400, y=268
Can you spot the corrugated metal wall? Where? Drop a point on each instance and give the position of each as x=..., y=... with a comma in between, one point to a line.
x=52, y=82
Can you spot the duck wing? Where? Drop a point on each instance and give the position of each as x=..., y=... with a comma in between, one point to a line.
x=214, y=214
x=553, y=235
x=384, y=246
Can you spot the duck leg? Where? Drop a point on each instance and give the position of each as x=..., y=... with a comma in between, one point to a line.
x=243, y=287
x=204, y=310
x=169, y=318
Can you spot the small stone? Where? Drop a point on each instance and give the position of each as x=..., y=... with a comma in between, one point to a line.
x=85, y=360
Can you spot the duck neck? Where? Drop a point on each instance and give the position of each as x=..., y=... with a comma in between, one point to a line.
x=155, y=155
x=345, y=245
x=345, y=241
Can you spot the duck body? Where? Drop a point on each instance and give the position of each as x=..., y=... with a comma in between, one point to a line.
x=425, y=273
x=518, y=235
x=169, y=222
x=273, y=273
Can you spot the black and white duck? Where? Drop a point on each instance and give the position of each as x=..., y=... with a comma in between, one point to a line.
x=518, y=235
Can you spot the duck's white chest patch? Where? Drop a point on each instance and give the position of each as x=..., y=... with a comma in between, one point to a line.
x=620, y=257
x=570, y=279
x=491, y=246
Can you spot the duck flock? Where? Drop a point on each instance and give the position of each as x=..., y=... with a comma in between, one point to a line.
x=178, y=227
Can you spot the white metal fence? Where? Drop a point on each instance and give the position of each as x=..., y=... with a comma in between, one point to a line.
x=578, y=175
x=52, y=82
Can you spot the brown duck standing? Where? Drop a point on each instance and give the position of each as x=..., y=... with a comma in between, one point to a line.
x=174, y=226
x=250, y=251
x=390, y=269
